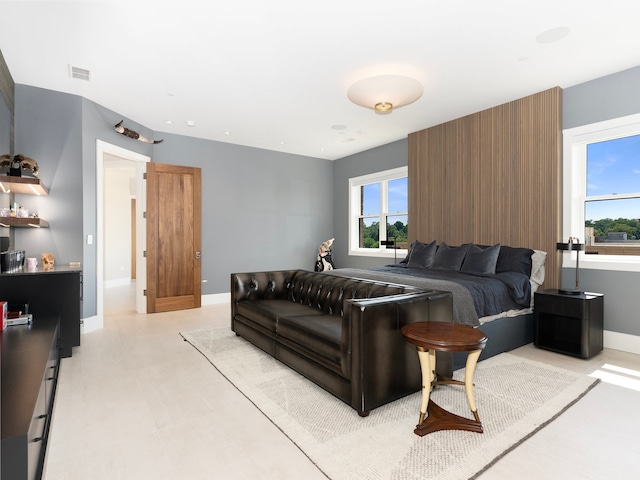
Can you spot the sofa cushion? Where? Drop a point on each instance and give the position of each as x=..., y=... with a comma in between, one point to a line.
x=321, y=334
x=268, y=312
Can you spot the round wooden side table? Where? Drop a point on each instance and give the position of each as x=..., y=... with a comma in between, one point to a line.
x=429, y=337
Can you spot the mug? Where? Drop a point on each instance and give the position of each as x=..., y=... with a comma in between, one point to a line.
x=32, y=262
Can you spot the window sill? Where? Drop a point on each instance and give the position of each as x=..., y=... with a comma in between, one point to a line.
x=621, y=263
x=400, y=254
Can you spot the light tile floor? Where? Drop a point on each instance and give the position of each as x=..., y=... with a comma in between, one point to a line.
x=137, y=402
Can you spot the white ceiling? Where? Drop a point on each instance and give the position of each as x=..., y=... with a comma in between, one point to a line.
x=274, y=74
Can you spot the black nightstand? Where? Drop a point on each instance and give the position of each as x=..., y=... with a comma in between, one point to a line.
x=570, y=324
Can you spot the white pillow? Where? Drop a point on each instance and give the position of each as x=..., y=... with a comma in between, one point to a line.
x=537, y=267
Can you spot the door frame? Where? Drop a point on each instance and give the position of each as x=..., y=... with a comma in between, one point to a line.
x=103, y=148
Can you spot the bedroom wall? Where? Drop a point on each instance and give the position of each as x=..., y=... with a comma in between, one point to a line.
x=605, y=98
x=47, y=129
x=492, y=177
x=261, y=209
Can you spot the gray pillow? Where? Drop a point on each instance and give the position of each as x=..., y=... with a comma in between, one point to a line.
x=513, y=259
x=421, y=255
x=481, y=260
x=450, y=258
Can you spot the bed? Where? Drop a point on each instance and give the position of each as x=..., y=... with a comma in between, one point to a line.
x=492, y=286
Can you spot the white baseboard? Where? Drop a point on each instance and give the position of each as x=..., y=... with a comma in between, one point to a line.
x=622, y=341
x=91, y=323
x=216, y=298
x=117, y=282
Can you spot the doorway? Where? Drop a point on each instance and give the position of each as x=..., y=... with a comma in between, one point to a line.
x=112, y=156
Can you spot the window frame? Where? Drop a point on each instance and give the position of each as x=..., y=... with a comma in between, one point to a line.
x=575, y=141
x=355, y=185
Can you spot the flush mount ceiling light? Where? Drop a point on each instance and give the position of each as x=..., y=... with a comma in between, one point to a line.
x=384, y=93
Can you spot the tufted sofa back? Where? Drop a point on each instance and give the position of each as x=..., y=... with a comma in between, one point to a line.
x=328, y=292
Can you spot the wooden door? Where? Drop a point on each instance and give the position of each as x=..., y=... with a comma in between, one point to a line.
x=173, y=237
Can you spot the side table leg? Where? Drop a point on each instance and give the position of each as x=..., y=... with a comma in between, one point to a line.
x=472, y=360
x=427, y=368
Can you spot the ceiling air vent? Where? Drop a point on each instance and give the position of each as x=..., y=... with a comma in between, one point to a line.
x=79, y=73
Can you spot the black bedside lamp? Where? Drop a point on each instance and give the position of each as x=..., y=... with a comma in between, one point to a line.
x=573, y=245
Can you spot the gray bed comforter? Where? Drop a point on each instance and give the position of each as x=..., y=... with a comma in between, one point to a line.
x=474, y=296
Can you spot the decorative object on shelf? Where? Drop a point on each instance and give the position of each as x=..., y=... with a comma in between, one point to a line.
x=19, y=163
x=384, y=93
x=391, y=242
x=572, y=245
x=135, y=135
x=324, y=261
x=47, y=261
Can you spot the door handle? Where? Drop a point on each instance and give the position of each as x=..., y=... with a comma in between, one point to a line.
x=198, y=255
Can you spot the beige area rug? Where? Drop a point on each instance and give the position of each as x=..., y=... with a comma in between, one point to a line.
x=515, y=398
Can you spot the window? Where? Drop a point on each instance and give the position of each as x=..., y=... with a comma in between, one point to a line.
x=602, y=192
x=378, y=211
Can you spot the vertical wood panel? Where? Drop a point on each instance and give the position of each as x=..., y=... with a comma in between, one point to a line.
x=7, y=92
x=492, y=177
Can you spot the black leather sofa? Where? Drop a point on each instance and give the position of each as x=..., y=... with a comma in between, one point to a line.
x=341, y=333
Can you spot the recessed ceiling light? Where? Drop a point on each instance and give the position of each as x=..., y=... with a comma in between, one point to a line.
x=283, y=143
x=191, y=123
x=169, y=122
x=338, y=127
x=553, y=35
x=227, y=132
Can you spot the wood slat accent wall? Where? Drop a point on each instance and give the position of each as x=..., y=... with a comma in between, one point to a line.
x=492, y=177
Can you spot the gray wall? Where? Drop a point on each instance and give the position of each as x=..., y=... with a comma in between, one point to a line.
x=261, y=210
x=47, y=129
x=606, y=98
x=98, y=124
x=385, y=157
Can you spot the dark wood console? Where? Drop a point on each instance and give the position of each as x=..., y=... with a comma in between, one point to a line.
x=49, y=292
x=30, y=365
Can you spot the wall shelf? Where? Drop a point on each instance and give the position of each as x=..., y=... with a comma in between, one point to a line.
x=26, y=185
x=23, y=222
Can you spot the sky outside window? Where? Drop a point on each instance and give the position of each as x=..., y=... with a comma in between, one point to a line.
x=613, y=167
x=397, y=197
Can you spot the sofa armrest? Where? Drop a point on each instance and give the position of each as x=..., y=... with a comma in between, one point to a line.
x=258, y=286
x=384, y=367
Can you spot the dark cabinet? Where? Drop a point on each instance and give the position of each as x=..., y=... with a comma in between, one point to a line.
x=570, y=324
x=49, y=292
x=30, y=365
